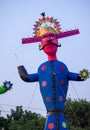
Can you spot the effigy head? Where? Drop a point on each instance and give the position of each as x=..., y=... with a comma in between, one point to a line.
x=48, y=30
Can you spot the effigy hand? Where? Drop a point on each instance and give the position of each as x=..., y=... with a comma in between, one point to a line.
x=84, y=74
x=7, y=85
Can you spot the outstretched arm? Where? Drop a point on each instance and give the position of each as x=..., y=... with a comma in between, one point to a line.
x=83, y=75
x=25, y=76
x=2, y=89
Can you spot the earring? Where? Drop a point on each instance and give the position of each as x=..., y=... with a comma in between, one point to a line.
x=40, y=46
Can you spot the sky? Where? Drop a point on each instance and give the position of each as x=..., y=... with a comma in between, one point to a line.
x=17, y=18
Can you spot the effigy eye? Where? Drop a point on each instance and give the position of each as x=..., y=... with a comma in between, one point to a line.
x=52, y=37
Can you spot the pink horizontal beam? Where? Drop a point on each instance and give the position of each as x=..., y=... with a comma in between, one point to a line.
x=67, y=33
x=60, y=35
x=30, y=40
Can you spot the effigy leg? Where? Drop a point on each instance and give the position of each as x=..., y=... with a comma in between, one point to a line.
x=56, y=121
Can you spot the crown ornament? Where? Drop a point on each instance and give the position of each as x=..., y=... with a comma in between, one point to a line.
x=46, y=24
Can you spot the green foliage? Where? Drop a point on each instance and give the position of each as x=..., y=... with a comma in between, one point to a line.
x=78, y=114
x=23, y=120
x=76, y=128
x=3, y=123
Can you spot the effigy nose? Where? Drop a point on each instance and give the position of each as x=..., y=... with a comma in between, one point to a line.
x=49, y=40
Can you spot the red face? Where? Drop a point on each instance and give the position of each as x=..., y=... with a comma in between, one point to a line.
x=49, y=44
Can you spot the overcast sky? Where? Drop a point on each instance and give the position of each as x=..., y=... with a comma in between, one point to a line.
x=16, y=21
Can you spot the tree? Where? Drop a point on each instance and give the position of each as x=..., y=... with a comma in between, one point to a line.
x=23, y=120
x=78, y=114
x=3, y=123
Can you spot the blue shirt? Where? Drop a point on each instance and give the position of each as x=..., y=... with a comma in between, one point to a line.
x=53, y=77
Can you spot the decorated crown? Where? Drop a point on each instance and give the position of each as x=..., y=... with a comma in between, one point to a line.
x=48, y=25
x=45, y=25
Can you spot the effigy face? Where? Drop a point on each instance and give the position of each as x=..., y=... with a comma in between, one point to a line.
x=49, y=44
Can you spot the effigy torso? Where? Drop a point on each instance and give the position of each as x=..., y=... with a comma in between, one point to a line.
x=53, y=79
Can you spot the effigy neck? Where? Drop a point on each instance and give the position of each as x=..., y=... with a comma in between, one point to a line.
x=52, y=58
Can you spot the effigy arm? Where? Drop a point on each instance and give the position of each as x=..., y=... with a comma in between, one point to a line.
x=25, y=76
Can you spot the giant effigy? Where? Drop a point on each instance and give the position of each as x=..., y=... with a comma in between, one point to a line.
x=53, y=75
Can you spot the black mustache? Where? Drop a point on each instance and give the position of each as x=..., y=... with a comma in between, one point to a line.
x=42, y=47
